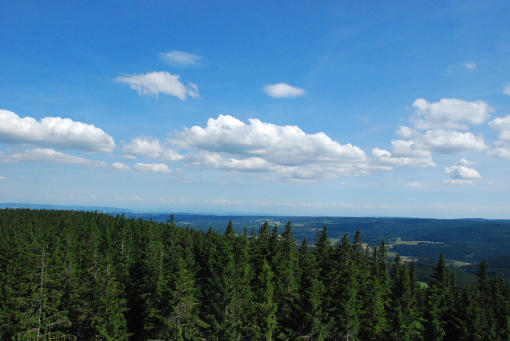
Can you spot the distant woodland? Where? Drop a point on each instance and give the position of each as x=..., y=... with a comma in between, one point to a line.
x=68, y=275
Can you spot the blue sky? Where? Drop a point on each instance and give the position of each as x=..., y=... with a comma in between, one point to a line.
x=339, y=108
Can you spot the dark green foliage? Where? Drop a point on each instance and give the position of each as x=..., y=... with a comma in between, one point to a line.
x=86, y=276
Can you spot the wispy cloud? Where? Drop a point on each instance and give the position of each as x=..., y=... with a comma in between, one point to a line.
x=129, y=198
x=53, y=132
x=506, y=89
x=181, y=58
x=120, y=166
x=152, y=167
x=49, y=155
x=154, y=83
x=469, y=65
x=283, y=90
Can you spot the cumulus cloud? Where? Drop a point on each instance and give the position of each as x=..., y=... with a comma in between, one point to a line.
x=49, y=155
x=228, y=143
x=502, y=125
x=413, y=184
x=283, y=90
x=449, y=113
x=441, y=126
x=154, y=83
x=501, y=152
x=444, y=141
x=171, y=155
x=120, y=166
x=181, y=58
x=286, y=145
x=152, y=167
x=462, y=172
x=461, y=175
x=465, y=162
x=405, y=153
x=145, y=147
x=450, y=142
x=53, y=132
x=150, y=148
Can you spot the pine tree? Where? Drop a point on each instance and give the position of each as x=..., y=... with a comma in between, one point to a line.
x=286, y=278
x=438, y=302
x=41, y=316
x=184, y=322
x=375, y=323
x=110, y=323
x=266, y=307
x=310, y=324
x=405, y=319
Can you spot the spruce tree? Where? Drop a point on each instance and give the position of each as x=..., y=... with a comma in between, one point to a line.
x=266, y=307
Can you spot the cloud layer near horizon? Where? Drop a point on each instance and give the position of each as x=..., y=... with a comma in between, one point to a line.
x=227, y=143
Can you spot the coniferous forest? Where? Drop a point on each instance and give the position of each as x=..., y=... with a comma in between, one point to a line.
x=68, y=275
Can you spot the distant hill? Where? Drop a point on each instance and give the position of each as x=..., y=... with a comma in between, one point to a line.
x=65, y=207
x=464, y=242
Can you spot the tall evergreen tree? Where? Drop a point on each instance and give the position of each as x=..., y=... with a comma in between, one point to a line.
x=266, y=307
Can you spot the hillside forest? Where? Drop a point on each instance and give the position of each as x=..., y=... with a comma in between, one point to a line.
x=67, y=275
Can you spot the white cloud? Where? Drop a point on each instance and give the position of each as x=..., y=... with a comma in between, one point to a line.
x=502, y=125
x=449, y=142
x=171, y=155
x=152, y=167
x=436, y=125
x=53, y=131
x=461, y=175
x=465, y=162
x=229, y=143
x=469, y=65
x=458, y=182
x=157, y=82
x=414, y=184
x=181, y=58
x=49, y=155
x=283, y=90
x=150, y=148
x=3, y=178
x=462, y=172
x=193, y=90
x=145, y=147
x=285, y=145
x=405, y=132
x=128, y=198
x=501, y=152
x=444, y=141
x=506, y=89
x=120, y=166
x=449, y=113
x=225, y=202
x=405, y=153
